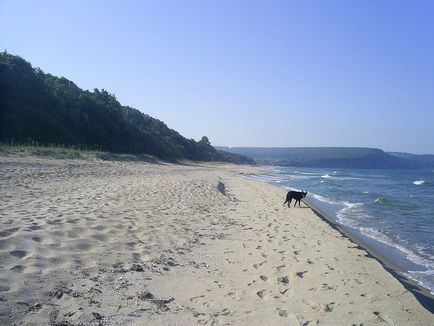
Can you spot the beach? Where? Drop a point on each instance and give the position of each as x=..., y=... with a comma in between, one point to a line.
x=131, y=243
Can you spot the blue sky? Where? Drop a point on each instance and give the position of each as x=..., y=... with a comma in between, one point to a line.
x=247, y=73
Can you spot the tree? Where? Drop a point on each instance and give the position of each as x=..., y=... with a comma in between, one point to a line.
x=205, y=141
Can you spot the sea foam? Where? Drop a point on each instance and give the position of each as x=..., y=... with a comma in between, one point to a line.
x=418, y=182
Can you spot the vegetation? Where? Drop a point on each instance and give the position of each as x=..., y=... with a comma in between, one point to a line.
x=42, y=109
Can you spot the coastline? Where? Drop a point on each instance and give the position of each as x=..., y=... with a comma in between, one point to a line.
x=395, y=259
x=377, y=250
x=113, y=243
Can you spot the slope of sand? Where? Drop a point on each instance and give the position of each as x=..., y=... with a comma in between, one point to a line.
x=93, y=242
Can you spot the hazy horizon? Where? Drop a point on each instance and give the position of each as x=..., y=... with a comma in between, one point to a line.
x=247, y=74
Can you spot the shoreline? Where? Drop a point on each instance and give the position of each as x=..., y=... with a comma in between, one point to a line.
x=91, y=242
x=422, y=294
x=378, y=250
x=394, y=259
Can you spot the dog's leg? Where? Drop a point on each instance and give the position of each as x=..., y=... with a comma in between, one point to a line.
x=289, y=203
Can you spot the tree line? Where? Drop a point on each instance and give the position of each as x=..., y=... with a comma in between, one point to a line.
x=37, y=107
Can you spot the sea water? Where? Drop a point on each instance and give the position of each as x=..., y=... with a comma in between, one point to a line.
x=394, y=208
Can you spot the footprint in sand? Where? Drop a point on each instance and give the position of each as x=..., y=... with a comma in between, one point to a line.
x=384, y=317
x=219, y=284
x=256, y=266
x=199, y=299
x=327, y=287
x=233, y=295
x=329, y=307
x=18, y=253
x=282, y=312
x=264, y=278
x=252, y=282
x=263, y=294
x=280, y=268
x=301, y=274
x=287, y=292
x=196, y=299
x=17, y=268
x=283, y=280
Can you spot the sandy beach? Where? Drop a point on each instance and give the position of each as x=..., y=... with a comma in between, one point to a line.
x=92, y=242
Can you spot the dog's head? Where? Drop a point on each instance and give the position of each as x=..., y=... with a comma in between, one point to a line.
x=304, y=193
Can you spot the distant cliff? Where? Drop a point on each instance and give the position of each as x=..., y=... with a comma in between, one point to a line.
x=39, y=108
x=334, y=157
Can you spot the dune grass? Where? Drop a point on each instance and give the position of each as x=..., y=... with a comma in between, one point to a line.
x=58, y=151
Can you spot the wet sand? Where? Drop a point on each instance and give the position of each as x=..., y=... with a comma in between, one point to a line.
x=118, y=243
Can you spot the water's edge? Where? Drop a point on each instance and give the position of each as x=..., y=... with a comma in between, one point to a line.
x=371, y=246
x=380, y=252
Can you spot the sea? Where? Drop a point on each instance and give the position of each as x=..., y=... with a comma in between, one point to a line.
x=391, y=210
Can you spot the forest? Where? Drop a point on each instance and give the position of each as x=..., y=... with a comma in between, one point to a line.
x=38, y=108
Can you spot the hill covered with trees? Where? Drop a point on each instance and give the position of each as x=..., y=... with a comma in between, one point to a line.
x=39, y=108
x=335, y=157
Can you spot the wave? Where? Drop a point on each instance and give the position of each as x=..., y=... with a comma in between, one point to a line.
x=424, y=278
x=325, y=199
x=290, y=188
x=418, y=182
x=383, y=238
x=301, y=177
x=328, y=176
x=349, y=210
x=384, y=201
x=307, y=173
x=261, y=177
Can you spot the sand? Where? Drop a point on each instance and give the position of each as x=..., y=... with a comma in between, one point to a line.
x=128, y=243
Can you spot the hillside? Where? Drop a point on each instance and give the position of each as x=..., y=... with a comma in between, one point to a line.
x=334, y=157
x=39, y=108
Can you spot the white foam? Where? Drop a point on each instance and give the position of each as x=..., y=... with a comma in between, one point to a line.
x=307, y=173
x=417, y=276
x=301, y=177
x=420, y=276
x=348, y=210
x=418, y=182
x=328, y=176
x=324, y=199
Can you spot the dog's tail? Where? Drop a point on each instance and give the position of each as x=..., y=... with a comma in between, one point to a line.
x=285, y=202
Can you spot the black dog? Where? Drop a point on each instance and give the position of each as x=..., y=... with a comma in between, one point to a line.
x=297, y=195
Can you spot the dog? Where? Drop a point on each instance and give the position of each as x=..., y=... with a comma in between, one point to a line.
x=297, y=195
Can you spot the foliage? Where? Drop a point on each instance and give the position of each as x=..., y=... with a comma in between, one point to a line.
x=39, y=108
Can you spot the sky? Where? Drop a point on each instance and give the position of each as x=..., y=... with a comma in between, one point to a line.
x=247, y=73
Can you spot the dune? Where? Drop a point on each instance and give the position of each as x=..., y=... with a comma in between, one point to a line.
x=130, y=243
